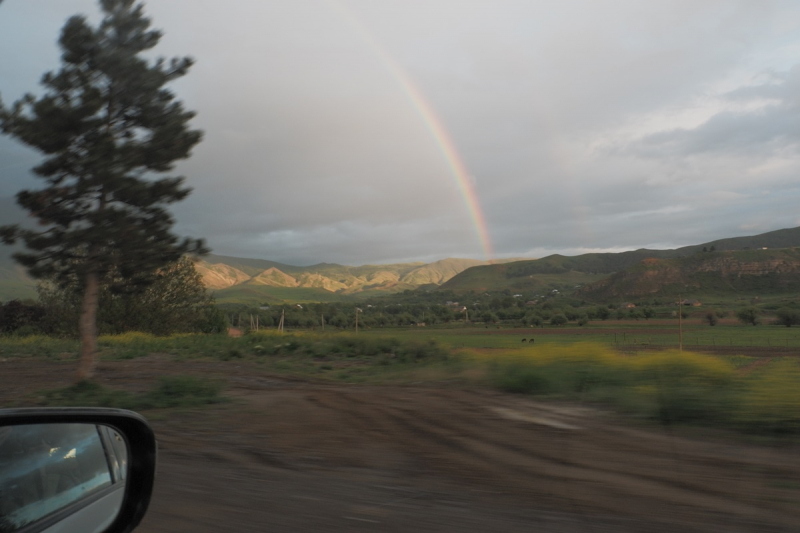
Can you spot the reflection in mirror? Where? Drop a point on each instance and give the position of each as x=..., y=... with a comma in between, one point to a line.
x=50, y=470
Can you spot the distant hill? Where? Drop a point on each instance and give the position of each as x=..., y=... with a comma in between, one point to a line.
x=237, y=279
x=439, y=272
x=563, y=271
x=220, y=275
x=252, y=280
x=745, y=272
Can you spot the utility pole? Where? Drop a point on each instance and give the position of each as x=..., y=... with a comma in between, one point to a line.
x=322, y=320
x=357, y=311
x=680, y=323
x=280, y=324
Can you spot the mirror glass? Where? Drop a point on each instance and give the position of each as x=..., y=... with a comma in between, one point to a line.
x=54, y=473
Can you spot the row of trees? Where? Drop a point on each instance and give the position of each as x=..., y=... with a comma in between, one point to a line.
x=784, y=316
x=176, y=301
x=387, y=315
x=377, y=314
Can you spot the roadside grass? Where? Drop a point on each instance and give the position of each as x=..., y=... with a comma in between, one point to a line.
x=168, y=392
x=633, y=334
x=347, y=357
x=771, y=402
x=334, y=356
x=37, y=346
x=668, y=386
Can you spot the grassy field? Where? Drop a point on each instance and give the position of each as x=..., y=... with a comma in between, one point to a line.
x=621, y=333
x=754, y=386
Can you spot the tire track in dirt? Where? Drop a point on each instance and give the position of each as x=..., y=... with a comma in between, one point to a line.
x=471, y=446
x=527, y=465
x=635, y=448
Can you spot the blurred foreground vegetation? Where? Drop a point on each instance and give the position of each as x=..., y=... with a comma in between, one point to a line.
x=749, y=394
x=170, y=391
x=669, y=386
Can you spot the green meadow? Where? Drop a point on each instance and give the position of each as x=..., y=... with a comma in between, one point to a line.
x=624, y=334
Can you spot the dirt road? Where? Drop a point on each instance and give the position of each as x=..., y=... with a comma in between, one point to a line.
x=298, y=456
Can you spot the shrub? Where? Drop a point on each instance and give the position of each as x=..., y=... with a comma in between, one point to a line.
x=788, y=317
x=748, y=315
x=233, y=353
x=771, y=402
x=669, y=386
x=89, y=394
x=601, y=312
x=564, y=370
x=687, y=386
x=19, y=318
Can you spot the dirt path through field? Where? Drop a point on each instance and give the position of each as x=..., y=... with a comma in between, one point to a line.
x=299, y=456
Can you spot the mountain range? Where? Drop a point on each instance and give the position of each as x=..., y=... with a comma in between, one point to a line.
x=759, y=262
x=237, y=279
x=739, y=263
x=740, y=272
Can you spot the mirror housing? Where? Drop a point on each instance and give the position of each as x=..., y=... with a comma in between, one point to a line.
x=142, y=453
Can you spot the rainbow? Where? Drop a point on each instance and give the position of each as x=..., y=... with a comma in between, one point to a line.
x=448, y=149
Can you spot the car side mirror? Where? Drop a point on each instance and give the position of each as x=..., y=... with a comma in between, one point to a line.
x=74, y=470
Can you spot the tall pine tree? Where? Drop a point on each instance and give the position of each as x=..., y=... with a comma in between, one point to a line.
x=109, y=131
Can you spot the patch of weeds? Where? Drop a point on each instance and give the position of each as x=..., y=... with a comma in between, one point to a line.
x=233, y=353
x=171, y=391
x=519, y=378
x=182, y=391
x=385, y=360
x=416, y=351
x=36, y=346
x=89, y=394
x=292, y=346
x=771, y=401
x=130, y=353
x=687, y=386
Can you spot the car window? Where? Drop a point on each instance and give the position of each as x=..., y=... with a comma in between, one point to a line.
x=46, y=467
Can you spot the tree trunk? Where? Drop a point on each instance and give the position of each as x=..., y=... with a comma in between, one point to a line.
x=88, y=328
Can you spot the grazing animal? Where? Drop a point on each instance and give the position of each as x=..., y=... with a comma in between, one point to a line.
x=524, y=340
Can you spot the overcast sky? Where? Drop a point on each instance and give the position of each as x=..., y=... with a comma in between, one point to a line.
x=583, y=125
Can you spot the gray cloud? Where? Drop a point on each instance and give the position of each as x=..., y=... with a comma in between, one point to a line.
x=759, y=132
x=583, y=125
